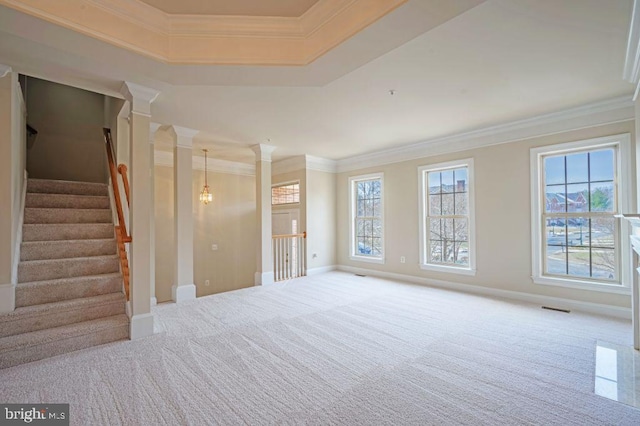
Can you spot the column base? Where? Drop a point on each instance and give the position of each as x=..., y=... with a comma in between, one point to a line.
x=264, y=278
x=183, y=293
x=154, y=301
x=141, y=326
x=7, y=297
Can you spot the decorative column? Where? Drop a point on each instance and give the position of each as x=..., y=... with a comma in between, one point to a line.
x=140, y=175
x=184, y=288
x=264, y=262
x=153, y=128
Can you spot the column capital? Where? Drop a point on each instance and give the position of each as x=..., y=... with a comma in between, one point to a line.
x=184, y=136
x=263, y=152
x=153, y=128
x=140, y=97
x=4, y=70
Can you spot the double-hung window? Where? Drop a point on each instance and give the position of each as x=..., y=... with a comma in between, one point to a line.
x=577, y=190
x=447, y=217
x=367, y=221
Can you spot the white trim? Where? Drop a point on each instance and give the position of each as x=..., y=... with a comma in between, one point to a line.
x=263, y=278
x=184, y=136
x=183, y=293
x=4, y=70
x=18, y=246
x=422, y=172
x=321, y=270
x=352, y=202
x=154, y=301
x=165, y=159
x=141, y=326
x=590, y=115
x=556, y=302
x=263, y=152
x=631, y=71
x=624, y=199
x=140, y=97
x=7, y=297
x=304, y=162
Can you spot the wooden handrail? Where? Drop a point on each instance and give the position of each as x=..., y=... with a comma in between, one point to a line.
x=121, y=228
x=303, y=235
x=122, y=169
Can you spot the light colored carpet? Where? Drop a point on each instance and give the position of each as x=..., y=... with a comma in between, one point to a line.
x=338, y=349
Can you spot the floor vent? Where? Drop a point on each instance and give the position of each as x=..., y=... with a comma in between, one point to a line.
x=359, y=275
x=566, y=311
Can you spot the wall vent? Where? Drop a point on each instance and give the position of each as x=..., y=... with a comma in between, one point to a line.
x=566, y=311
x=359, y=275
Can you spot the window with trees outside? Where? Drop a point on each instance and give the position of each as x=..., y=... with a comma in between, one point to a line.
x=447, y=217
x=367, y=208
x=579, y=194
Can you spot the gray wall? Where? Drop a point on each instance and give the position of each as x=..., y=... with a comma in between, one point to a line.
x=69, y=121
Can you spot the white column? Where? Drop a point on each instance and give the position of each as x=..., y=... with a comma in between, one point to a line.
x=264, y=262
x=140, y=172
x=184, y=288
x=153, y=128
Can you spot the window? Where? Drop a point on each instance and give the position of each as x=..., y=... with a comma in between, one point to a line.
x=578, y=189
x=367, y=207
x=446, y=217
x=288, y=193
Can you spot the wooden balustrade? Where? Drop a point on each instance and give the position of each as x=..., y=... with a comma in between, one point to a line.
x=289, y=256
x=122, y=237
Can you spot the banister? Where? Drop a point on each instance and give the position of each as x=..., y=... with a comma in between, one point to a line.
x=121, y=228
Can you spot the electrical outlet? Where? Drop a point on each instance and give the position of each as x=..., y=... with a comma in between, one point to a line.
x=315, y=255
x=206, y=283
x=402, y=259
x=214, y=247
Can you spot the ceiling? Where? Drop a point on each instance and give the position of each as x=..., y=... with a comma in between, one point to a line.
x=285, y=8
x=455, y=66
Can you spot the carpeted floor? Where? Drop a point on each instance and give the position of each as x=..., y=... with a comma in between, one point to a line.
x=338, y=349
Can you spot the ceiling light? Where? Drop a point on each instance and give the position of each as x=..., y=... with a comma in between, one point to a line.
x=205, y=195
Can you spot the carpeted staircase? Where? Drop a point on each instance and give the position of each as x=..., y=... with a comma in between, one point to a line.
x=69, y=293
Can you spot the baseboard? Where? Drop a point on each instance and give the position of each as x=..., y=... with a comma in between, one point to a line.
x=154, y=301
x=556, y=302
x=183, y=293
x=263, y=278
x=321, y=270
x=7, y=297
x=141, y=326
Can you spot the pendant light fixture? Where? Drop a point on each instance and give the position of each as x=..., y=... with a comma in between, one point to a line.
x=205, y=195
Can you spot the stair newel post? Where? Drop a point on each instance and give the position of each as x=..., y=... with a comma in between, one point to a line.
x=140, y=175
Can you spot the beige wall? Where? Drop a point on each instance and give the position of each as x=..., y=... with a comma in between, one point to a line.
x=503, y=217
x=229, y=222
x=69, y=121
x=12, y=166
x=321, y=219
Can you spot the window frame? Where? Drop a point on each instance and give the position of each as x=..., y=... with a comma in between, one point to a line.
x=353, y=255
x=423, y=185
x=623, y=196
x=282, y=184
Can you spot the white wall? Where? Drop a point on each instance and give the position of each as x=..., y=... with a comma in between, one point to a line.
x=321, y=219
x=229, y=221
x=503, y=217
x=12, y=167
x=69, y=121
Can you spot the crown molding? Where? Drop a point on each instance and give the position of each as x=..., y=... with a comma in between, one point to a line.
x=590, y=115
x=631, y=71
x=303, y=162
x=263, y=152
x=210, y=39
x=4, y=70
x=140, y=97
x=165, y=159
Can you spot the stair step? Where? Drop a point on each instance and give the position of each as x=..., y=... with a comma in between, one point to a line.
x=56, y=314
x=47, y=215
x=66, y=201
x=41, y=250
x=67, y=231
x=40, y=292
x=46, y=186
x=51, y=269
x=28, y=347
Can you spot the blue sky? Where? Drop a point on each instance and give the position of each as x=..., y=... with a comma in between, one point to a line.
x=602, y=167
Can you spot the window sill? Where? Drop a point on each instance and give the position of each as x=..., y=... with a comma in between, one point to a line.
x=448, y=269
x=581, y=285
x=378, y=260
